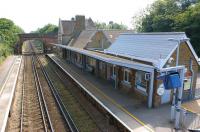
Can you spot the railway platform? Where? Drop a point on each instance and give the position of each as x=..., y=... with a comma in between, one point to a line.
x=4, y=69
x=130, y=112
x=7, y=91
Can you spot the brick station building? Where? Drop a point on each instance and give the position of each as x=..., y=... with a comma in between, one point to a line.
x=128, y=60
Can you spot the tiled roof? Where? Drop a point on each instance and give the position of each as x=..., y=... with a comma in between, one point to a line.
x=86, y=36
x=110, y=59
x=152, y=47
x=89, y=24
x=113, y=34
x=83, y=38
x=68, y=27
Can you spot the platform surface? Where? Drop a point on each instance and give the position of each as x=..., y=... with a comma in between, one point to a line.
x=7, y=92
x=192, y=106
x=128, y=109
x=5, y=67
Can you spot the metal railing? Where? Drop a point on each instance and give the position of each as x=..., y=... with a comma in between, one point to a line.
x=189, y=120
x=197, y=92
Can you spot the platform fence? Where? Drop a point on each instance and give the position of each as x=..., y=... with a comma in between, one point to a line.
x=189, y=120
x=197, y=92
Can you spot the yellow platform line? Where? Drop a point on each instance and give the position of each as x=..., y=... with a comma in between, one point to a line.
x=116, y=104
x=122, y=108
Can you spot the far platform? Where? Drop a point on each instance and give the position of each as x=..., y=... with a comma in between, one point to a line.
x=4, y=68
x=7, y=92
x=128, y=109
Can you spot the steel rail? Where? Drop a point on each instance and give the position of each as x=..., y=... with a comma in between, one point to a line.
x=22, y=98
x=72, y=126
x=40, y=91
x=42, y=97
x=62, y=79
x=39, y=98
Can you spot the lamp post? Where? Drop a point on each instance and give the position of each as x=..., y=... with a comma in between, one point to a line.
x=180, y=91
x=181, y=70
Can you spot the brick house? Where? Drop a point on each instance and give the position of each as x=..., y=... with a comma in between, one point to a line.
x=130, y=60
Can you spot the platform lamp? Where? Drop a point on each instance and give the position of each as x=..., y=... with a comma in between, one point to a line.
x=179, y=41
x=174, y=79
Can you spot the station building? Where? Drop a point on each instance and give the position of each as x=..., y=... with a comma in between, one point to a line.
x=128, y=60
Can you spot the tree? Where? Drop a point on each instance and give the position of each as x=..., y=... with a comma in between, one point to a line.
x=172, y=15
x=159, y=16
x=47, y=29
x=9, y=31
x=110, y=25
x=8, y=37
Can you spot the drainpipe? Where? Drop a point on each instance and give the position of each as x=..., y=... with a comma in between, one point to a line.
x=177, y=53
x=174, y=91
x=102, y=44
x=150, y=97
x=192, y=78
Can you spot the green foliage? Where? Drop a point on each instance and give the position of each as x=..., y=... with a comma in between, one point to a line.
x=39, y=45
x=47, y=29
x=5, y=51
x=111, y=25
x=172, y=15
x=8, y=37
x=9, y=32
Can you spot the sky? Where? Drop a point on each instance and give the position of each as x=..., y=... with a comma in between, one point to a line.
x=32, y=14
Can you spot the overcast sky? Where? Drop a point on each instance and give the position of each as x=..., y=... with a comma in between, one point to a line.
x=31, y=14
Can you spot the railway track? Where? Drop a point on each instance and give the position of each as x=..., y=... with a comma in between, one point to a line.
x=34, y=112
x=34, y=106
x=70, y=91
x=70, y=125
x=80, y=117
x=82, y=122
x=47, y=104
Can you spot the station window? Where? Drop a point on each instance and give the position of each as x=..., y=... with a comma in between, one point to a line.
x=127, y=76
x=114, y=71
x=91, y=61
x=75, y=57
x=141, y=81
x=101, y=65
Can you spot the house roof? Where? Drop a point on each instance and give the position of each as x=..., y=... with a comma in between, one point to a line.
x=113, y=34
x=68, y=27
x=89, y=24
x=150, y=47
x=110, y=59
x=83, y=38
x=86, y=36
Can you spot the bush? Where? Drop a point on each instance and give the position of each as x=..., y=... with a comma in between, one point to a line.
x=8, y=37
x=4, y=52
